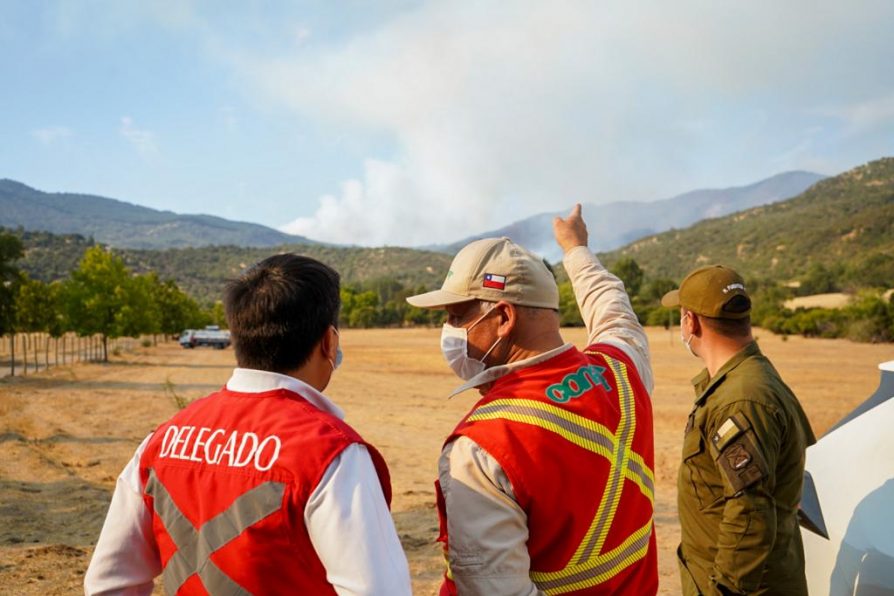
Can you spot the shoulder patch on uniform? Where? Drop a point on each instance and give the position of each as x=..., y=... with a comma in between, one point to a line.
x=729, y=431
x=741, y=462
x=737, y=457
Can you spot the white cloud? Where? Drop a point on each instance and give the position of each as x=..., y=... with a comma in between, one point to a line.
x=51, y=134
x=142, y=140
x=863, y=115
x=500, y=111
x=370, y=211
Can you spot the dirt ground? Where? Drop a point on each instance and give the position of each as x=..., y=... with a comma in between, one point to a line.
x=66, y=433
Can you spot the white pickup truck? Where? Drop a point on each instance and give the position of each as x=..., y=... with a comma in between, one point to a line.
x=212, y=336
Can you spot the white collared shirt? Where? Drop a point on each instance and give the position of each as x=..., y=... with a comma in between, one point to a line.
x=346, y=517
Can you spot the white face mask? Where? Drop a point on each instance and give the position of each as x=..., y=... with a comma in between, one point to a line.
x=687, y=343
x=455, y=347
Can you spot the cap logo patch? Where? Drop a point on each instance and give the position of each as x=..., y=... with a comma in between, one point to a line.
x=732, y=287
x=496, y=282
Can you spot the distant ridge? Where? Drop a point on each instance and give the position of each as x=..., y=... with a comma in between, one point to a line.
x=125, y=225
x=613, y=225
x=844, y=223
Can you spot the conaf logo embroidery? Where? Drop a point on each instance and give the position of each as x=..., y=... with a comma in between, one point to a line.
x=576, y=383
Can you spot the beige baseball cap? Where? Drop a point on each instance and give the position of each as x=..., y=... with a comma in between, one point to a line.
x=494, y=269
x=710, y=291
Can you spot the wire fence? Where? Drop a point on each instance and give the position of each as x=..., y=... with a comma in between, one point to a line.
x=22, y=354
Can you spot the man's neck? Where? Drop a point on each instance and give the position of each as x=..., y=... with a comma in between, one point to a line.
x=721, y=351
x=534, y=346
x=312, y=374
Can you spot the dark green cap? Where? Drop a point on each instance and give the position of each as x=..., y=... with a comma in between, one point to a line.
x=711, y=291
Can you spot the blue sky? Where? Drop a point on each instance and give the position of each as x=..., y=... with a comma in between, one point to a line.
x=399, y=122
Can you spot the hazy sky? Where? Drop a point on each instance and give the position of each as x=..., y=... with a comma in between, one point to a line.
x=402, y=122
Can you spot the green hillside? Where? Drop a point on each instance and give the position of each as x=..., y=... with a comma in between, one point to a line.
x=202, y=272
x=842, y=226
x=50, y=257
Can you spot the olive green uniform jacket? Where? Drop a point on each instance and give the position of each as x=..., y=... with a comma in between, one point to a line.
x=740, y=482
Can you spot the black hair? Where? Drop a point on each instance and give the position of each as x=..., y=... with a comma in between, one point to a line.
x=729, y=327
x=279, y=309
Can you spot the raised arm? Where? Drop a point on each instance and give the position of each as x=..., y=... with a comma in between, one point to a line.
x=601, y=297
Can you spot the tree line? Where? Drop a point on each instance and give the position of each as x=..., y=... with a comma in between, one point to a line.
x=869, y=317
x=101, y=296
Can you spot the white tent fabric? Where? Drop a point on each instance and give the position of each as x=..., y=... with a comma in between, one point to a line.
x=853, y=471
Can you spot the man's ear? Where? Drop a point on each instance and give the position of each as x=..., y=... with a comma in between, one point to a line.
x=508, y=317
x=329, y=343
x=695, y=324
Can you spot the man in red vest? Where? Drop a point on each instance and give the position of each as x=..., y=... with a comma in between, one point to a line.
x=547, y=484
x=259, y=488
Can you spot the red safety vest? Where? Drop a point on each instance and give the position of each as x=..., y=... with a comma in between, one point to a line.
x=227, y=481
x=574, y=437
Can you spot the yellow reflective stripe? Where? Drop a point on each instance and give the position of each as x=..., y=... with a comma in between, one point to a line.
x=554, y=427
x=633, y=457
x=449, y=572
x=611, y=496
x=643, y=487
x=607, y=556
x=599, y=569
x=556, y=411
x=638, y=459
x=589, y=566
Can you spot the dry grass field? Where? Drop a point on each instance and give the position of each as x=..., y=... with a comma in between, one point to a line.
x=66, y=433
x=834, y=300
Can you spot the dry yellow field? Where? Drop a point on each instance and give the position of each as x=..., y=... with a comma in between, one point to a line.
x=67, y=432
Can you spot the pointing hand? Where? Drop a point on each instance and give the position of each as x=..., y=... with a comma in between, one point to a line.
x=571, y=231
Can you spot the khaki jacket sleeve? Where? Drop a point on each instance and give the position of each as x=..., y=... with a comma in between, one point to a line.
x=487, y=530
x=744, y=439
x=606, y=310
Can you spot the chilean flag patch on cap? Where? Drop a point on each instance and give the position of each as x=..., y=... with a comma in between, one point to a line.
x=497, y=282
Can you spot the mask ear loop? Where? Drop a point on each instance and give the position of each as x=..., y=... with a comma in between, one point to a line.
x=687, y=343
x=481, y=318
x=338, y=335
x=499, y=339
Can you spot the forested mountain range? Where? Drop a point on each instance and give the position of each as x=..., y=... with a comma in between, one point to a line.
x=203, y=271
x=124, y=225
x=843, y=225
x=615, y=224
x=120, y=224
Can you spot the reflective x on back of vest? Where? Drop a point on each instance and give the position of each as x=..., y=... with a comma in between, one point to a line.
x=194, y=548
x=615, y=546
x=228, y=522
